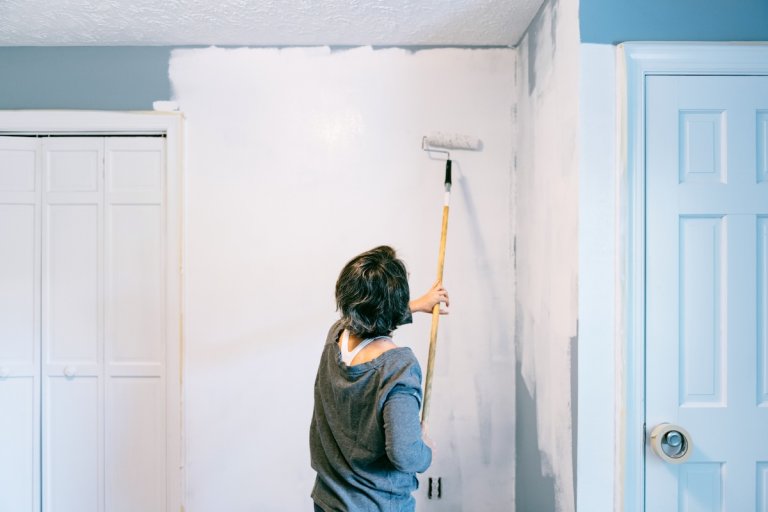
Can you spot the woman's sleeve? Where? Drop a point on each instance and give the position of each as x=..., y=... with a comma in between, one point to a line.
x=402, y=429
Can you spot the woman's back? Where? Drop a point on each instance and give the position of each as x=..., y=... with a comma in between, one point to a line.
x=365, y=438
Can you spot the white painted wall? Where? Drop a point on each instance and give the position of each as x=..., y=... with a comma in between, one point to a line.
x=601, y=404
x=296, y=160
x=546, y=223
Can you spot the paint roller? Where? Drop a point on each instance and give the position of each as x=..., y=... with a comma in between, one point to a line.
x=440, y=143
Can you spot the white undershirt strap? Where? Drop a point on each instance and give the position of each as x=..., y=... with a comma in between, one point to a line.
x=349, y=355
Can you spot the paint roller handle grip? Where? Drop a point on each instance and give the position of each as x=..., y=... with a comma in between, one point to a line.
x=430, y=366
x=435, y=321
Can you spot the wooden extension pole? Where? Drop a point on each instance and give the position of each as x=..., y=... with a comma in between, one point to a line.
x=436, y=307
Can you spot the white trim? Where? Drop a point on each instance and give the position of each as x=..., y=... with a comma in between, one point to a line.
x=637, y=61
x=88, y=121
x=170, y=124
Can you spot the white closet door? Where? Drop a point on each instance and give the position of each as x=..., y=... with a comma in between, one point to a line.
x=19, y=324
x=135, y=442
x=83, y=324
x=73, y=327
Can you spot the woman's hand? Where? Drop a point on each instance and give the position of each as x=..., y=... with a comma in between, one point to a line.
x=436, y=295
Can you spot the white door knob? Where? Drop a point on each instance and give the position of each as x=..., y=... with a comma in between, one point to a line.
x=70, y=371
x=4, y=372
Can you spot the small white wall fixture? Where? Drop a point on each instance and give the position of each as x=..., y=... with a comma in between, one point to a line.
x=20, y=122
x=637, y=61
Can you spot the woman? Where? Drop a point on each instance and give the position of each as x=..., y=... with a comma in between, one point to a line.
x=365, y=439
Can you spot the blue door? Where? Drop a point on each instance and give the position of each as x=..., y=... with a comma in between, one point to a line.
x=706, y=293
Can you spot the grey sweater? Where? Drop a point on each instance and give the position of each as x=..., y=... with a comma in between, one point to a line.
x=365, y=437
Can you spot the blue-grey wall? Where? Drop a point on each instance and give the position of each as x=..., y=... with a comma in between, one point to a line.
x=91, y=78
x=616, y=21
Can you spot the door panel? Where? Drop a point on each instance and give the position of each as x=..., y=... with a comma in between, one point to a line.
x=762, y=146
x=72, y=341
x=762, y=487
x=73, y=165
x=135, y=298
x=135, y=325
x=701, y=371
x=71, y=451
x=762, y=311
x=706, y=204
x=72, y=284
x=701, y=146
x=18, y=275
x=701, y=487
x=135, y=445
x=18, y=165
x=19, y=324
x=19, y=445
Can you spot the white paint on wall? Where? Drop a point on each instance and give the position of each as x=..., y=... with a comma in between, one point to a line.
x=297, y=160
x=599, y=488
x=546, y=222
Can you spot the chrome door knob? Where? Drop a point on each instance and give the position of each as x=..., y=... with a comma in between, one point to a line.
x=671, y=443
x=674, y=439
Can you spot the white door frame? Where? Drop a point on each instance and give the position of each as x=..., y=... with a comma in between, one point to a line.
x=139, y=123
x=636, y=62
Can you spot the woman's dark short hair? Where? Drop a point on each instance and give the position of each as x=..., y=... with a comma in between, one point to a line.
x=372, y=293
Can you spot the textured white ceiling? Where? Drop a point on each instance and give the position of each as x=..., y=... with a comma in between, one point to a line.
x=265, y=22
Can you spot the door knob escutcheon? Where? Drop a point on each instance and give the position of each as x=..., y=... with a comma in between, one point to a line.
x=671, y=443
